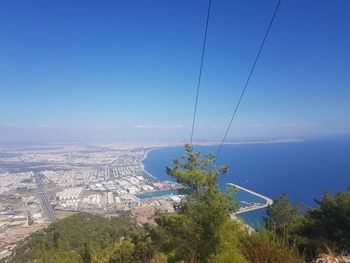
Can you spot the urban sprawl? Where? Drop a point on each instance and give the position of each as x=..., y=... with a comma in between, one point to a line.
x=41, y=184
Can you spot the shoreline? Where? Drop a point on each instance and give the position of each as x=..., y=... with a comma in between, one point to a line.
x=143, y=166
x=213, y=143
x=251, y=142
x=268, y=200
x=149, y=149
x=242, y=210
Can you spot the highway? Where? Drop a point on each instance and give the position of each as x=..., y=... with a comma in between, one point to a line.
x=45, y=204
x=254, y=206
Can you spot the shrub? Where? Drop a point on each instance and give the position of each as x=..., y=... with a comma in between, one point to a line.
x=267, y=247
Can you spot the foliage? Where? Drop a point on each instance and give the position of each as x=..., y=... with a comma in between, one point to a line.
x=321, y=228
x=194, y=232
x=159, y=258
x=86, y=254
x=139, y=248
x=327, y=225
x=122, y=252
x=267, y=247
x=76, y=233
x=230, y=235
x=59, y=254
x=282, y=217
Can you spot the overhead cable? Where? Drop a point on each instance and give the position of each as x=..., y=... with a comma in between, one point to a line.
x=200, y=70
x=249, y=77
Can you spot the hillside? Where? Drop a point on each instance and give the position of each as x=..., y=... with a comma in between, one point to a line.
x=73, y=234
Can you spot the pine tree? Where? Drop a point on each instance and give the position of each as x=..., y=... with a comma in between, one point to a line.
x=194, y=231
x=86, y=254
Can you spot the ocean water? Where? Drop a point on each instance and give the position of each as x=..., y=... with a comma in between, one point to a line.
x=301, y=169
x=157, y=194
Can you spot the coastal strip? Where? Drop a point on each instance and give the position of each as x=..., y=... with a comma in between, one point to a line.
x=143, y=166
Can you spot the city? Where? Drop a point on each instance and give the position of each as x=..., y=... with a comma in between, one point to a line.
x=42, y=184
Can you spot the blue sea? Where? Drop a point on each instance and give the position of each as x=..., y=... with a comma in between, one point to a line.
x=157, y=194
x=301, y=169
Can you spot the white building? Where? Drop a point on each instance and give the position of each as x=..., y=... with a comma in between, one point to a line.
x=70, y=194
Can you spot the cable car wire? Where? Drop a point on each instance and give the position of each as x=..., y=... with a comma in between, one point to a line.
x=249, y=77
x=200, y=70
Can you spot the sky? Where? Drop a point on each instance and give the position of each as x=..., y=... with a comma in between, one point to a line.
x=128, y=69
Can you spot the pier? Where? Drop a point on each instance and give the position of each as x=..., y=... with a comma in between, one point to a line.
x=253, y=206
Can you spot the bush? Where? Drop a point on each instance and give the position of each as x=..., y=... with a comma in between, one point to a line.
x=267, y=247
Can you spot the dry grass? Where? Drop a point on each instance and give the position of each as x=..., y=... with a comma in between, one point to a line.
x=266, y=247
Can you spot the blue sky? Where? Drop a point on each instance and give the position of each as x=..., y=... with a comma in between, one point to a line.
x=127, y=70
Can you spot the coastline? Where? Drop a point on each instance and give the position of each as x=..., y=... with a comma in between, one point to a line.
x=256, y=206
x=251, y=142
x=143, y=166
x=149, y=149
x=212, y=143
x=253, y=207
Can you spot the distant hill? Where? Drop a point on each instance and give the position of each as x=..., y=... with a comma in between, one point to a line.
x=73, y=234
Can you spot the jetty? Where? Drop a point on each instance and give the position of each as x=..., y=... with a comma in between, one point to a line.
x=253, y=206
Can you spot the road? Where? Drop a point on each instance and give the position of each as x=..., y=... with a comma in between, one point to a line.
x=45, y=204
x=255, y=206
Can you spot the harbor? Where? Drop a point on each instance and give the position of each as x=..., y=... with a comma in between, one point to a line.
x=251, y=205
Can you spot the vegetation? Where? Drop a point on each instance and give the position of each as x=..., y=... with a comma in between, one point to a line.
x=322, y=228
x=327, y=225
x=282, y=217
x=74, y=233
x=200, y=231
x=267, y=247
x=194, y=233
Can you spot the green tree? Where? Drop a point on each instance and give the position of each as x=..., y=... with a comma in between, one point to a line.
x=230, y=237
x=86, y=254
x=159, y=258
x=329, y=222
x=59, y=253
x=123, y=252
x=68, y=236
x=194, y=232
x=144, y=247
x=282, y=217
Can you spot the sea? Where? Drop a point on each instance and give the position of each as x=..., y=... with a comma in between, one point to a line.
x=301, y=169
